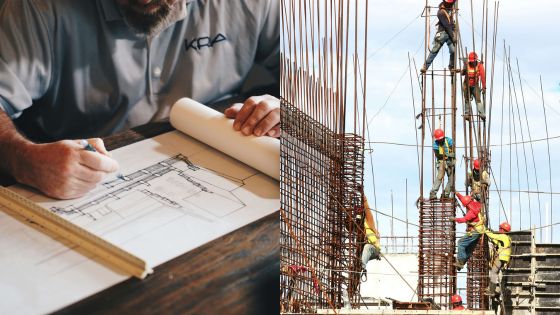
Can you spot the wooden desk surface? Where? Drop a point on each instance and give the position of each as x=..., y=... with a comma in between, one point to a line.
x=236, y=274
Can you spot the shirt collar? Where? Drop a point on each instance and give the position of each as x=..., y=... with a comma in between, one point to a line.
x=111, y=11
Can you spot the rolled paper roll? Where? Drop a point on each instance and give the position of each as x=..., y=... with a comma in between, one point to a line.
x=214, y=129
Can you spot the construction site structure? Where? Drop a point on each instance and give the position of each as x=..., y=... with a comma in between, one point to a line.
x=322, y=171
x=439, y=111
x=321, y=156
x=436, y=234
x=531, y=283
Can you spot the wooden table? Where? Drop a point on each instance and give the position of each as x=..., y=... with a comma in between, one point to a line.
x=236, y=274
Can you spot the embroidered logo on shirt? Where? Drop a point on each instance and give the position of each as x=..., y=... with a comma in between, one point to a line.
x=204, y=41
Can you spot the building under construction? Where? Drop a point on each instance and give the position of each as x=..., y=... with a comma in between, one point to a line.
x=324, y=123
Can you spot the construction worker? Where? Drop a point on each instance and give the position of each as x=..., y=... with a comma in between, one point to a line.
x=477, y=180
x=475, y=228
x=501, y=255
x=445, y=35
x=372, y=248
x=445, y=163
x=457, y=303
x=473, y=70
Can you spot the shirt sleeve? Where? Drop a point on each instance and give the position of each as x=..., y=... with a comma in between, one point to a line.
x=25, y=55
x=468, y=217
x=492, y=236
x=482, y=75
x=268, y=50
x=485, y=178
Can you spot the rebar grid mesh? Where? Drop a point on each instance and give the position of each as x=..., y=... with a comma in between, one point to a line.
x=321, y=176
x=477, y=276
x=437, y=275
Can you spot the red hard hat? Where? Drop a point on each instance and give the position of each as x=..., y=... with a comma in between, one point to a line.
x=473, y=57
x=476, y=164
x=465, y=200
x=456, y=299
x=438, y=134
x=505, y=226
x=449, y=1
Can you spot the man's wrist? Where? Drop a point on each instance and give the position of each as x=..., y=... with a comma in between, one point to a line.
x=16, y=149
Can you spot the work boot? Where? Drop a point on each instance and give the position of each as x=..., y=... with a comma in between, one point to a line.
x=433, y=197
x=423, y=69
x=459, y=265
x=491, y=290
x=482, y=117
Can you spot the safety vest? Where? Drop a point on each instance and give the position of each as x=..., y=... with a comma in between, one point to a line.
x=504, y=245
x=472, y=74
x=477, y=226
x=446, y=144
x=371, y=235
x=477, y=179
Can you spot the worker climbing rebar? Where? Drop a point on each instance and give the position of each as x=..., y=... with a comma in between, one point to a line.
x=444, y=35
x=501, y=255
x=473, y=71
x=372, y=247
x=474, y=219
x=445, y=164
x=477, y=180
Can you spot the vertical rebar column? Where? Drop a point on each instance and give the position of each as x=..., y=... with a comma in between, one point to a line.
x=477, y=276
x=321, y=175
x=308, y=250
x=437, y=275
x=352, y=206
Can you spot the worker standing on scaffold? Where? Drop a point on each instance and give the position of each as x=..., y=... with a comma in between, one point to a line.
x=445, y=35
x=445, y=163
x=473, y=70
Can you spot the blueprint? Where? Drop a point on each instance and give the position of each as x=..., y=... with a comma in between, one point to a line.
x=176, y=194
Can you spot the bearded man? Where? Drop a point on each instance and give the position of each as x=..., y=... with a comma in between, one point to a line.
x=84, y=69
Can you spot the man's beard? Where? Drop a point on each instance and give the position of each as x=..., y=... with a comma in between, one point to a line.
x=148, y=23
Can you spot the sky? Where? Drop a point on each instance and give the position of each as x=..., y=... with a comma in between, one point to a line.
x=395, y=30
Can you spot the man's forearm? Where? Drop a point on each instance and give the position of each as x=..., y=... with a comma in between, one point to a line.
x=12, y=145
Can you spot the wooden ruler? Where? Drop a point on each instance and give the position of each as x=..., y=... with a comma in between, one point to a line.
x=112, y=255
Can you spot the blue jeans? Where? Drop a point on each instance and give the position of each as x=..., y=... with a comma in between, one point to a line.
x=440, y=39
x=466, y=246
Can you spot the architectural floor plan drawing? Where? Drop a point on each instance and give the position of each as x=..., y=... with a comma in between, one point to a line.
x=174, y=183
x=176, y=194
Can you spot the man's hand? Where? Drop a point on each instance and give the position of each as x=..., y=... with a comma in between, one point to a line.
x=64, y=169
x=452, y=219
x=259, y=116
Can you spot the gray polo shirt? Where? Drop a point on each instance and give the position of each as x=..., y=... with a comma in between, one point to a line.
x=74, y=69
